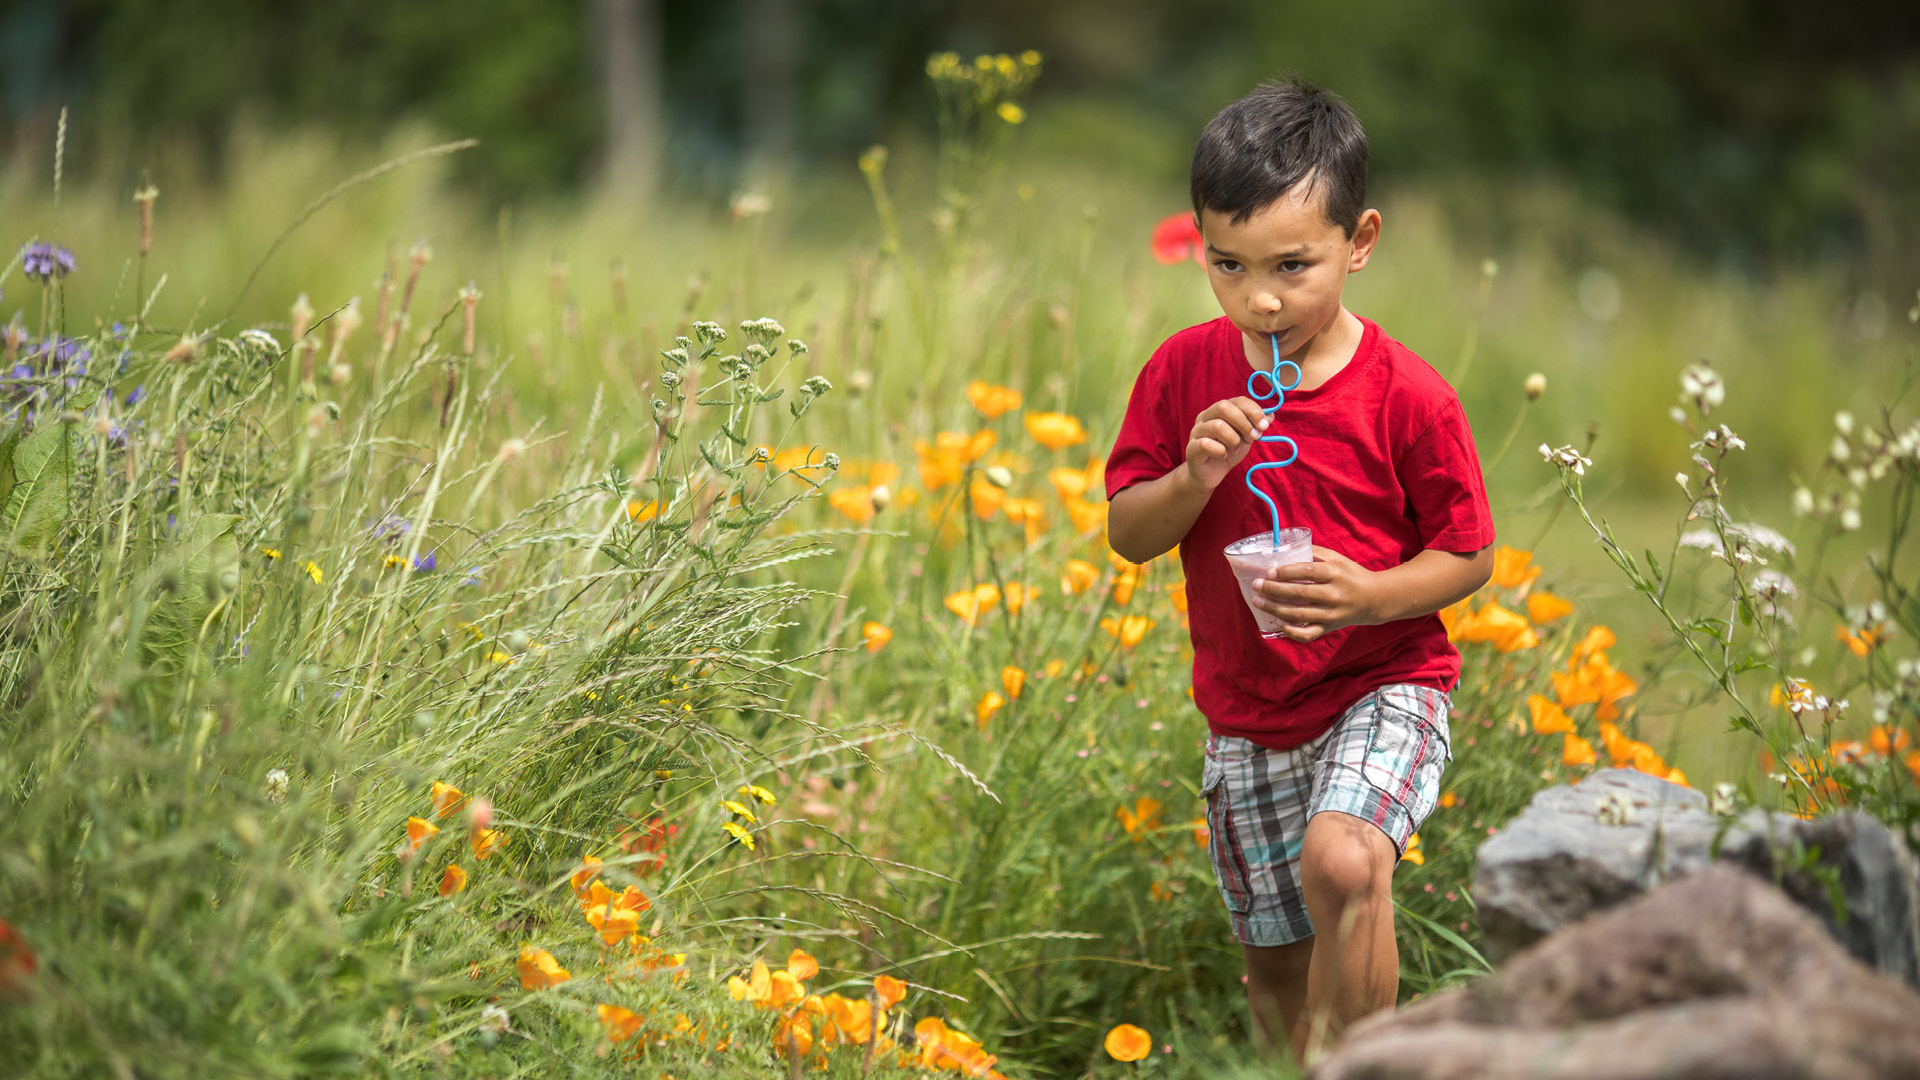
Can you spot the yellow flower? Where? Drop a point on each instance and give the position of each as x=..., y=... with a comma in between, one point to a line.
x=452, y=881
x=1129, y=630
x=876, y=636
x=1414, y=855
x=1018, y=595
x=738, y=809
x=392, y=561
x=1141, y=819
x=1511, y=567
x=271, y=553
x=1128, y=1043
x=642, y=512
x=734, y=830
x=989, y=703
x=1055, y=430
x=447, y=799
x=1011, y=113
x=757, y=794
x=992, y=401
x=1079, y=577
x=1014, y=680
x=539, y=970
x=1543, y=607
x=313, y=571
x=419, y=831
x=1448, y=800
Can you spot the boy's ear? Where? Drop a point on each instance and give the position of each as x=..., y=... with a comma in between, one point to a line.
x=1365, y=235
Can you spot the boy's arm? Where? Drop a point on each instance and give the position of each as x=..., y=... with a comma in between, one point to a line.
x=1150, y=518
x=1333, y=591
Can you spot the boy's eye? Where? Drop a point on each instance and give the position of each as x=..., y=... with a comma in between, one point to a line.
x=1227, y=265
x=1292, y=266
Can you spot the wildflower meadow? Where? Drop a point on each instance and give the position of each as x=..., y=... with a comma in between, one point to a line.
x=445, y=659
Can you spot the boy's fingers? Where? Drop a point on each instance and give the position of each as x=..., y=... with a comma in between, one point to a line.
x=1224, y=433
x=1210, y=448
x=1250, y=409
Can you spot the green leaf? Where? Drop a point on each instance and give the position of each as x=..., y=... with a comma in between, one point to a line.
x=1737, y=722
x=210, y=548
x=41, y=471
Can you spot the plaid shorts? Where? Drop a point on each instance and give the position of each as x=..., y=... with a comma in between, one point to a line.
x=1380, y=762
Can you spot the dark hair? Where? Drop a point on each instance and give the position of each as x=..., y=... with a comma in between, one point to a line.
x=1256, y=149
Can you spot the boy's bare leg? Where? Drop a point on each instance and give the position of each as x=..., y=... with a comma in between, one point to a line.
x=1346, y=874
x=1277, y=990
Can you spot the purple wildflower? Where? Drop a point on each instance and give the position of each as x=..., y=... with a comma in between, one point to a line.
x=473, y=578
x=44, y=262
x=423, y=564
x=391, y=527
x=137, y=395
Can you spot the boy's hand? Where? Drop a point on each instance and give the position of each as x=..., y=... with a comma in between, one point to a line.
x=1221, y=438
x=1314, y=599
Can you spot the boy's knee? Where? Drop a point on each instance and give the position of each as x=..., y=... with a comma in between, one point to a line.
x=1272, y=965
x=1345, y=861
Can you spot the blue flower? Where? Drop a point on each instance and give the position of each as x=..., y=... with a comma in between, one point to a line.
x=44, y=262
x=473, y=578
x=139, y=393
x=423, y=564
x=391, y=527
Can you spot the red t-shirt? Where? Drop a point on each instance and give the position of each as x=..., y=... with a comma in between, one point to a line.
x=1386, y=469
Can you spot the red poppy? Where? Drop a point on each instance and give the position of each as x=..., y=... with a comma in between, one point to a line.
x=1176, y=238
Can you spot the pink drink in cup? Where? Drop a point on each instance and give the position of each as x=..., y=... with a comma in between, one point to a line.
x=1258, y=557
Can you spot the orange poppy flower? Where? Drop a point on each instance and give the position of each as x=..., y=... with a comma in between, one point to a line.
x=793, y=1035
x=1859, y=642
x=485, y=840
x=1124, y=582
x=613, y=923
x=1014, y=680
x=539, y=970
x=1017, y=596
x=875, y=636
x=1141, y=819
x=1202, y=833
x=1886, y=741
x=891, y=991
x=972, y=603
x=855, y=502
x=1027, y=514
x=1912, y=762
x=1055, y=430
x=1069, y=483
x=992, y=401
x=1128, y=1043
x=1597, y=641
x=801, y=965
x=452, y=881
x=991, y=702
x=1079, y=577
x=620, y=1024
x=1548, y=717
x=642, y=512
x=1129, y=630
x=986, y=498
x=1493, y=624
x=584, y=876
x=1543, y=607
x=1087, y=516
x=1512, y=567
x=419, y=831
x=447, y=799
x=1576, y=751
x=1451, y=616
x=1177, y=238
x=1413, y=854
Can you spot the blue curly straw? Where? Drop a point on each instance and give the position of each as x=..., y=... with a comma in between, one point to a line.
x=1278, y=392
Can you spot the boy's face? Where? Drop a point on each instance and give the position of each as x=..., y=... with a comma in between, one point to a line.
x=1282, y=270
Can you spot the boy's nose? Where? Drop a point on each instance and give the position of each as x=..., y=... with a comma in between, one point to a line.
x=1265, y=303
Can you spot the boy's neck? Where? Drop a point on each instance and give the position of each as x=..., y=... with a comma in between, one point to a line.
x=1320, y=359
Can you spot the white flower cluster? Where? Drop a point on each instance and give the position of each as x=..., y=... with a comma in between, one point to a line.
x=765, y=327
x=1702, y=387
x=277, y=785
x=1566, y=457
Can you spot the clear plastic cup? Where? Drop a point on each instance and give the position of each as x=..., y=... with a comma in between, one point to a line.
x=1257, y=556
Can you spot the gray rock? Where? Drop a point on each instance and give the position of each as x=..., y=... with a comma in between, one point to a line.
x=1715, y=975
x=1580, y=849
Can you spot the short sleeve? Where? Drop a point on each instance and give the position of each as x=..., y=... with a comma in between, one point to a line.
x=1446, y=495
x=1151, y=442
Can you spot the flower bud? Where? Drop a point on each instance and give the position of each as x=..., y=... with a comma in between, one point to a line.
x=998, y=476
x=881, y=496
x=1535, y=386
x=511, y=449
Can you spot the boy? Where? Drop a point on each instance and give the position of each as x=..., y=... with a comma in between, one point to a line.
x=1327, y=743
